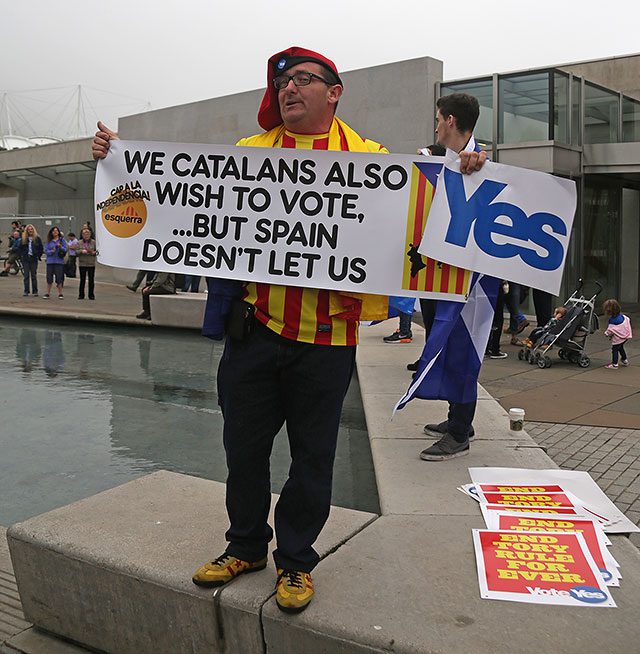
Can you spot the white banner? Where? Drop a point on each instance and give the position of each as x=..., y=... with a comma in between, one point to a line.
x=336, y=220
x=508, y=222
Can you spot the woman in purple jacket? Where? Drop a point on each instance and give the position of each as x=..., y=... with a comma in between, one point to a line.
x=55, y=249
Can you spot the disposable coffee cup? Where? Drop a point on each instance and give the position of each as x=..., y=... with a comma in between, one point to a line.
x=516, y=419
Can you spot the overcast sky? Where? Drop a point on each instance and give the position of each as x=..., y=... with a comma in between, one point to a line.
x=168, y=53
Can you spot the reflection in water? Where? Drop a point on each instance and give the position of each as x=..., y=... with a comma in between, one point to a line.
x=108, y=404
x=28, y=349
x=53, y=357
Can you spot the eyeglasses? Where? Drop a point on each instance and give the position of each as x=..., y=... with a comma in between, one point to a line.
x=299, y=79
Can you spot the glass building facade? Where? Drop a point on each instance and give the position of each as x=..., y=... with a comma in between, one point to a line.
x=573, y=120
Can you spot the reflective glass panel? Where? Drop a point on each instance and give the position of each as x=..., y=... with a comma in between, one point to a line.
x=483, y=90
x=575, y=112
x=600, y=115
x=561, y=107
x=524, y=108
x=630, y=120
x=601, y=228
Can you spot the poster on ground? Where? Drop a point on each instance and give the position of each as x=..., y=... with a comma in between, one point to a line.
x=594, y=536
x=556, y=510
x=577, y=482
x=538, y=568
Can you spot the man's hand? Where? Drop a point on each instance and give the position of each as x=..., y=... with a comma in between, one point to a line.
x=472, y=161
x=146, y=289
x=101, y=140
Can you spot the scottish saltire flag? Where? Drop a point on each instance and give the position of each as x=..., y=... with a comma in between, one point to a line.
x=421, y=273
x=452, y=356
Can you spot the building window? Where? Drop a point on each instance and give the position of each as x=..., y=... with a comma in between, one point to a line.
x=601, y=227
x=576, y=117
x=523, y=108
x=630, y=120
x=600, y=114
x=483, y=90
x=560, y=107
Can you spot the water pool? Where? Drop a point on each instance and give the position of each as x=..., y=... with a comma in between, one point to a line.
x=86, y=407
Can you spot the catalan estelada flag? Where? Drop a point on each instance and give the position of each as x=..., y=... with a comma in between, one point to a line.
x=419, y=272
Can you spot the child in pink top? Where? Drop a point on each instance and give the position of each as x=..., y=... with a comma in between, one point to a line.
x=619, y=331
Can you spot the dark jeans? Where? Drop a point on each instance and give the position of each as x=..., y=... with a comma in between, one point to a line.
x=71, y=266
x=542, y=304
x=618, y=349
x=30, y=267
x=459, y=419
x=193, y=282
x=55, y=270
x=512, y=301
x=493, y=345
x=428, y=309
x=86, y=272
x=535, y=334
x=405, y=322
x=266, y=381
x=146, y=302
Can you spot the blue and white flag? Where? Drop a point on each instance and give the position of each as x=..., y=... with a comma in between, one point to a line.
x=452, y=356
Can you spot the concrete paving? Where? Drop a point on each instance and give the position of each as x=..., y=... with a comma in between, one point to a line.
x=12, y=620
x=566, y=393
x=406, y=581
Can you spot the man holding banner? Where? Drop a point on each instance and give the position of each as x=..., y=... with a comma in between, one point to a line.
x=288, y=357
x=449, y=366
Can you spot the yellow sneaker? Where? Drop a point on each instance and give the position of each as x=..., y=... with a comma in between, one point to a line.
x=224, y=569
x=294, y=590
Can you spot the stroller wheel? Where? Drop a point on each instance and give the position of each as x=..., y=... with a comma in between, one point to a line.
x=547, y=361
x=561, y=353
x=584, y=361
x=521, y=354
x=574, y=357
x=541, y=362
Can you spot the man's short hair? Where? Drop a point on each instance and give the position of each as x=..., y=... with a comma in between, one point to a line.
x=463, y=107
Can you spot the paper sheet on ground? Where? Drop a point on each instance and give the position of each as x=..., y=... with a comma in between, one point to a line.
x=539, y=568
x=592, y=532
x=576, y=481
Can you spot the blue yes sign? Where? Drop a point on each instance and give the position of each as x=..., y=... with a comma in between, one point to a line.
x=481, y=213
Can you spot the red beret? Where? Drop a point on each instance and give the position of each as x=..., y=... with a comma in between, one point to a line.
x=269, y=112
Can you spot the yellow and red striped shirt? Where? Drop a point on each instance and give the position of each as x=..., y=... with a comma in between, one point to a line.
x=302, y=314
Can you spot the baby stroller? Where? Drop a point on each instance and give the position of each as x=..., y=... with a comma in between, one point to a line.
x=569, y=334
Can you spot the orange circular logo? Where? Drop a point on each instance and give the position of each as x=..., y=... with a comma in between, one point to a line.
x=124, y=214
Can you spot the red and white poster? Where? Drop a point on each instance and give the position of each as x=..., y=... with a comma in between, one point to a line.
x=594, y=536
x=505, y=488
x=539, y=568
x=553, y=500
x=578, y=483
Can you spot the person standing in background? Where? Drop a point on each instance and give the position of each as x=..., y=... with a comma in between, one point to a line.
x=31, y=249
x=55, y=249
x=86, y=251
x=70, y=265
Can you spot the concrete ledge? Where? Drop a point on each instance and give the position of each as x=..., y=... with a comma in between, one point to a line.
x=113, y=319
x=179, y=310
x=113, y=571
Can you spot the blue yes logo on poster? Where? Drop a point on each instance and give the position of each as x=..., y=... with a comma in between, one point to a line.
x=481, y=209
x=588, y=594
